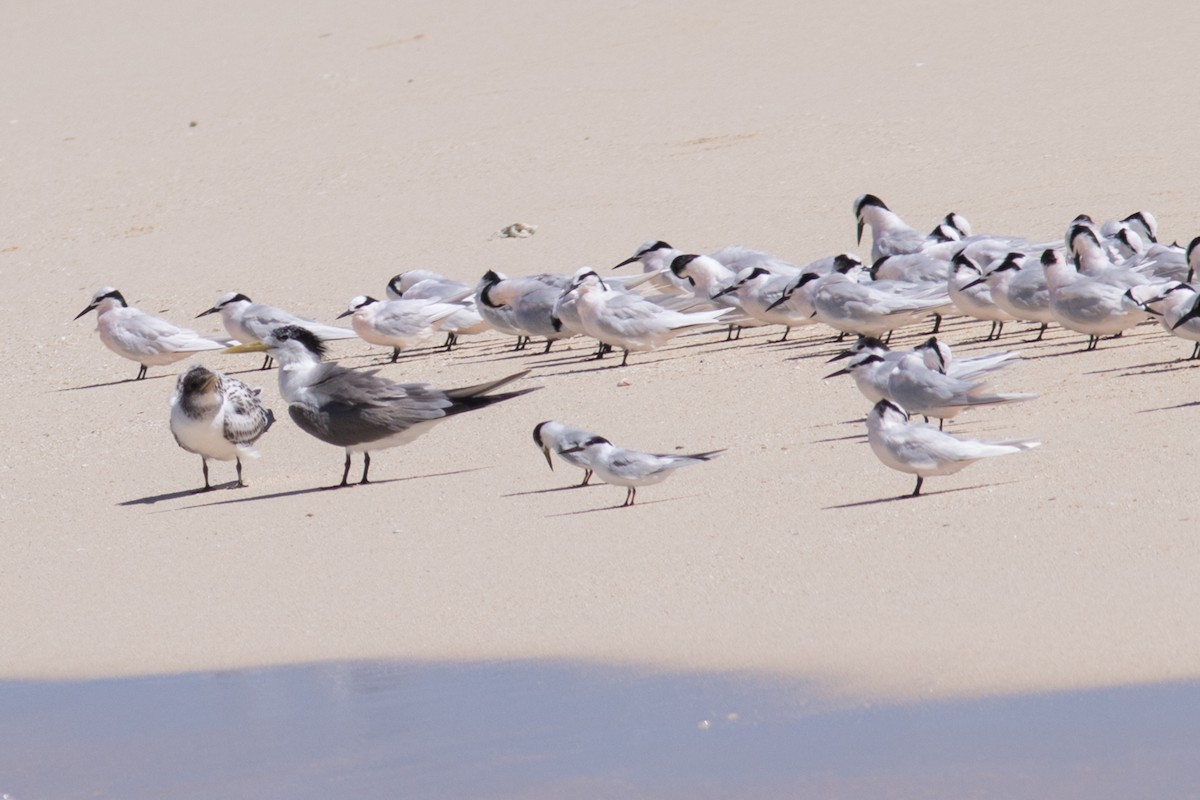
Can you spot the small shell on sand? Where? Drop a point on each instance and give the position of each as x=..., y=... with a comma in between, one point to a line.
x=518, y=230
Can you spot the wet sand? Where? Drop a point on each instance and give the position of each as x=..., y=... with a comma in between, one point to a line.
x=305, y=155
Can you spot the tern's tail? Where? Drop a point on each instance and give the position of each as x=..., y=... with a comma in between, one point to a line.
x=709, y=456
x=469, y=398
x=993, y=399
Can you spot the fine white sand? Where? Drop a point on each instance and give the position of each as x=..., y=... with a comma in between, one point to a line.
x=304, y=153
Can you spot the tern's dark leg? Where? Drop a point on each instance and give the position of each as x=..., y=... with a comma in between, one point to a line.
x=729, y=334
x=937, y=323
x=204, y=466
x=624, y=358
x=395, y=354
x=587, y=476
x=366, y=466
x=141, y=373
x=941, y=423
x=1042, y=331
x=240, y=484
x=786, y=331
x=267, y=361
x=1195, y=351
x=999, y=329
x=346, y=471
x=549, y=343
x=917, y=490
x=521, y=342
x=738, y=334
x=841, y=337
x=888, y=339
x=630, y=496
x=600, y=351
x=450, y=341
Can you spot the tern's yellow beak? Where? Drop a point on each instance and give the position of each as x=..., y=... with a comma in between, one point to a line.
x=254, y=347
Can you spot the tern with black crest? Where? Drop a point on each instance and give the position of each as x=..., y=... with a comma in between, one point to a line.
x=631, y=468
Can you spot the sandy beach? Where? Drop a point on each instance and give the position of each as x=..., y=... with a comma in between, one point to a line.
x=305, y=154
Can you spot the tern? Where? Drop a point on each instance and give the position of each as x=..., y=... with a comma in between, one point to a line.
x=138, y=336
x=423, y=284
x=359, y=410
x=1087, y=305
x=923, y=450
x=628, y=320
x=398, y=324
x=215, y=415
x=631, y=468
x=523, y=307
x=1019, y=287
x=248, y=322
x=565, y=441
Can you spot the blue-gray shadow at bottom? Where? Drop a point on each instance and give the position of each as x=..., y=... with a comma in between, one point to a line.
x=534, y=730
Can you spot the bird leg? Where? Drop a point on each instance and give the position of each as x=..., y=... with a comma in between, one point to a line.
x=267, y=361
x=395, y=354
x=587, y=476
x=937, y=323
x=917, y=491
x=346, y=471
x=630, y=494
x=204, y=466
x=549, y=342
x=786, y=331
x=1042, y=331
x=1195, y=351
x=240, y=484
x=366, y=466
x=141, y=373
x=624, y=358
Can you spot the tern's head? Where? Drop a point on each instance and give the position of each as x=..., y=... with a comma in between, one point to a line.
x=227, y=300
x=679, y=264
x=395, y=287
x=889, y=411
x=1193, y=258
x=292, y=342
x=356, y=303
x=541, y=437
x=1080, y=236
x=1012, y=261
x=942, y=233
x=862, y=209
x=1051, y=257
x=963, y=262
x=862, y=344
x=486, y=284
x=845, y=262
x=934, y=354
x=1146, y=221
x=197, y=382
x=645, y=249
x=957, y=222
x=105, y=296
x=860, y=361
x=586, y=276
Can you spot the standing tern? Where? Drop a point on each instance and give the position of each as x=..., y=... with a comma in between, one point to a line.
x=138, y=336
x=398, y=324
x=1087, y=305
x=565, y=441
x=215, y=415
x=248, y=322
x=631, y=468
x=923, y=450
x=357, y=410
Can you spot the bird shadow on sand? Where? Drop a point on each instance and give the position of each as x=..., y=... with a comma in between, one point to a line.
x=1164, y=367
x=113, y=383
x=619, y=506
x=553, y=489
x=289, y=493
x=1192, y=404
x=912, y=497
x=158, y=498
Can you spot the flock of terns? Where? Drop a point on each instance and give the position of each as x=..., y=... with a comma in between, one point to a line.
x=1099, y=281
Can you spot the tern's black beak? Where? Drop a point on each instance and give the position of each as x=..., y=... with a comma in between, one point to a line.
x=725, y=291
x=860, y=230
x=546, y=453
x=576, y=449
x=783, y=298
x=840, y=356
x=345, y=313
x=86, y=310
x=629, y=260
x=839, y=372
x=212, y=310
x=976, y=282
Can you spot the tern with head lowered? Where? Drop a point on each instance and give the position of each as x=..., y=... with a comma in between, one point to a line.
x=631, y=468
x=359, y=410
x=565, y=441
x=138, y=336
x=923, y=450
x=249, y=322
x=215, y=415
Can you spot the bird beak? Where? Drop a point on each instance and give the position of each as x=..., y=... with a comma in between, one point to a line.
x=629, y=260
x=575, y=449
x=860, y=230
x=839, y=372
x=345, y=313
x=723, y=292
x=783, y=298
x=976, y=283
x=546, y=453
x=212, y=310
x=253, y=347
x=840, y=356
x=86, y=310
